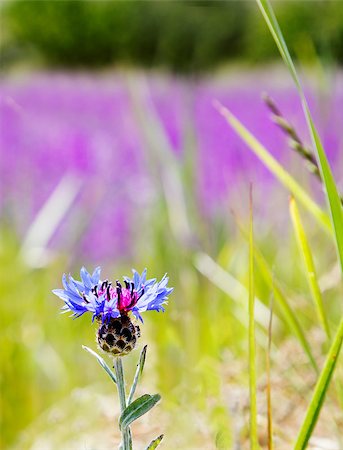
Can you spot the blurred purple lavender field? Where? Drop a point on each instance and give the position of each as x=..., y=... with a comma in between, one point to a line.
x=78, y=140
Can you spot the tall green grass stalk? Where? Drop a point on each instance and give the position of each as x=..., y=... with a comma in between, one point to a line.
x=287, y=312
x=268, y=389
x=311, y=274
x=336, y=213
x=320, y=390
x=252, y=346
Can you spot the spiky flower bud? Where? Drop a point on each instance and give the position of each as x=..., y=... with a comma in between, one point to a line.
x=117, y=336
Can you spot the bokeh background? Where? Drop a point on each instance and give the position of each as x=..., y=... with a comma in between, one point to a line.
x=113, y=154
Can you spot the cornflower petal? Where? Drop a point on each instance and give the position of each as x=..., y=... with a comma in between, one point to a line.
x=136, y=279
x=86, y=278
x=80, y=287
x=96, y=275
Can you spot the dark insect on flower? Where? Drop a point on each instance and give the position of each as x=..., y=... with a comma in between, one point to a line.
x=113, y=305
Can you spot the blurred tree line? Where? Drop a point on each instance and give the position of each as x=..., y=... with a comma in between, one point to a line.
x=182, y=36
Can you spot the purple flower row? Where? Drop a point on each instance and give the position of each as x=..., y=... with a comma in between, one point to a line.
x=86, y=127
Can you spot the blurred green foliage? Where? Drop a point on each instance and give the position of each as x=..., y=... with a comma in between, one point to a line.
x=179, y=35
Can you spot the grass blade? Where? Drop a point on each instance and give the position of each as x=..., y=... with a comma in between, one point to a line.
x=268, y=390
x=286, y=310
x=228, y=284
x=309, y=265
x=333, y=197
x=320, y=391
x=237, y=292
x=252, y=349
x=275, y=168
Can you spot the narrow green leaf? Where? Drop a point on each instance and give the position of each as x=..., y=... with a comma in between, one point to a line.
x=138, y=374
x=252, y=350
x=268, y=389
x=275, y=168
x=153, y=444
x=228, y=284
x=137, y=409
x=274, y=28
x=320, y=391
x=286, y=310
x=331, y=190
x=309, y=265
x=101, y=362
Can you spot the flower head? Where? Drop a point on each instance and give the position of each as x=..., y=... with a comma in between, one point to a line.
x=107, y=300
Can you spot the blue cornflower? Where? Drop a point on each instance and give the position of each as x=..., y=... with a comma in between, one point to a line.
x=107, y=301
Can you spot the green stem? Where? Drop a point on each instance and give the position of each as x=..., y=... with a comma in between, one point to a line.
x=126, y=443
